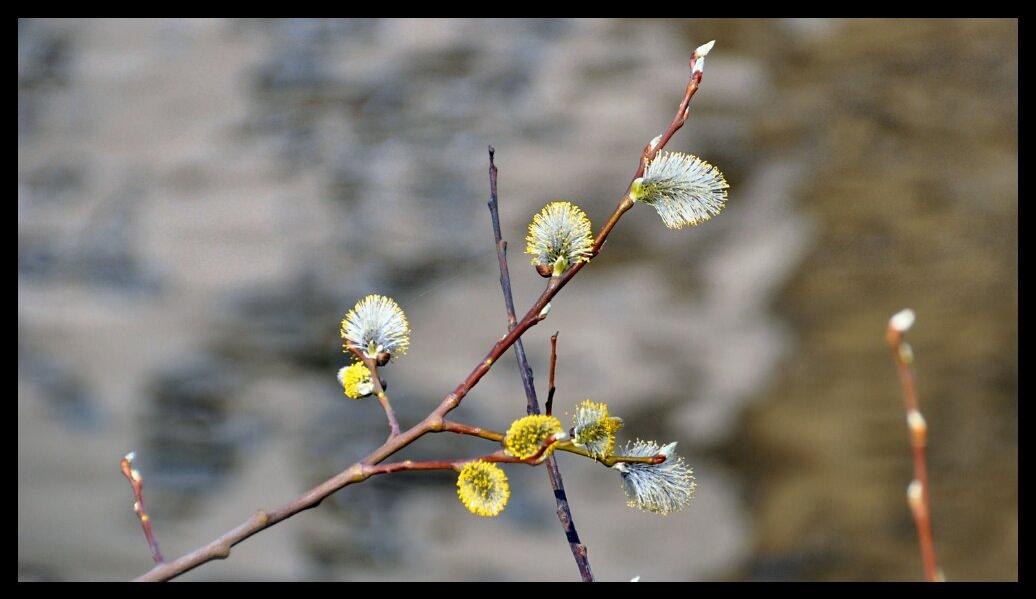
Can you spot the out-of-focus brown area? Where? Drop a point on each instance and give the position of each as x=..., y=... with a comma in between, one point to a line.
x=916, y=199
x=201, y=201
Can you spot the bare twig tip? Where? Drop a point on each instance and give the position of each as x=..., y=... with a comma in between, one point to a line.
x=902, y=321
x=703, y=50
x=698, y=58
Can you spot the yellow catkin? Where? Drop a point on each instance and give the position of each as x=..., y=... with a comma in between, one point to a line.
x=594, y=429
x=526, y=435
x=356, y=381
x=482, y=488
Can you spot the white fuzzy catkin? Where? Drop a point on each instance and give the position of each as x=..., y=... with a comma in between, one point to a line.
x=659, y=488
x=684, y=189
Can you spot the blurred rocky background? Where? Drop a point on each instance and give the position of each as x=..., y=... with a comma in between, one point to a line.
x=199, y=203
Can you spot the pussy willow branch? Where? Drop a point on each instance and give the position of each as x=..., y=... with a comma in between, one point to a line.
x=917, y=492
x=137, y=484
x=564, y=512
x=219, y=548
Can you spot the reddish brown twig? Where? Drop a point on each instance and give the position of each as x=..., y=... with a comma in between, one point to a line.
x=564, y=512
x=553, y=366
x=499, y=456
x=917, y=491
x=449, y=426
x=220, y=547
x=137, y=483
x=379, y=391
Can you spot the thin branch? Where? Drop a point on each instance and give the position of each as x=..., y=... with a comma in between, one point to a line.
x=379, y=391
x=917, y=491
x=610, y=460
x=553, y=366
x=457, y=465
x=564, y=512
x=532, y=406
x=448, y=426
x=137, y=483
x=220, y=547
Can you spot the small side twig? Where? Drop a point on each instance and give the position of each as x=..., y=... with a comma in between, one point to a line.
x=379, y=391
x=917, y=491
x=456, y=465
x=137, y=483
x=449, y=426
x=553, y=366
x=564, y=512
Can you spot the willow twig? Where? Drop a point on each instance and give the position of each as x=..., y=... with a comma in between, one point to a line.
x=564, y=512
x=456, y=465
x=379, y=390
x=553, y=366
x=448, y=426
x=219, y=548
x=917, y=491
x=137, y=483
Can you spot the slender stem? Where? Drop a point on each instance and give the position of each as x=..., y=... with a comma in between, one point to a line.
x=457, y=465
x=553, y=366
x=917, y=492
x=564, y=512
x=220, y=547
x=449, y=426
x=379, y=391
x=137, y=483
x=611, y=460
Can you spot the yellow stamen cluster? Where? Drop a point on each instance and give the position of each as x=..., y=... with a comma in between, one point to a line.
x=594, y=429
x=527, y=435
x=559, y=236
x=482, y=488
x=356, y=381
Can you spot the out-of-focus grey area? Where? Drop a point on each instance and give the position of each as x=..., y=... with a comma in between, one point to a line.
x=200, y=202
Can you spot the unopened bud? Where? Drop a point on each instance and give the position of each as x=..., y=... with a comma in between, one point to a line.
x=545, y=311
x=902, y=321
x=699, y=56
x=915, y=495
x=545, y=270
x=918, y=427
